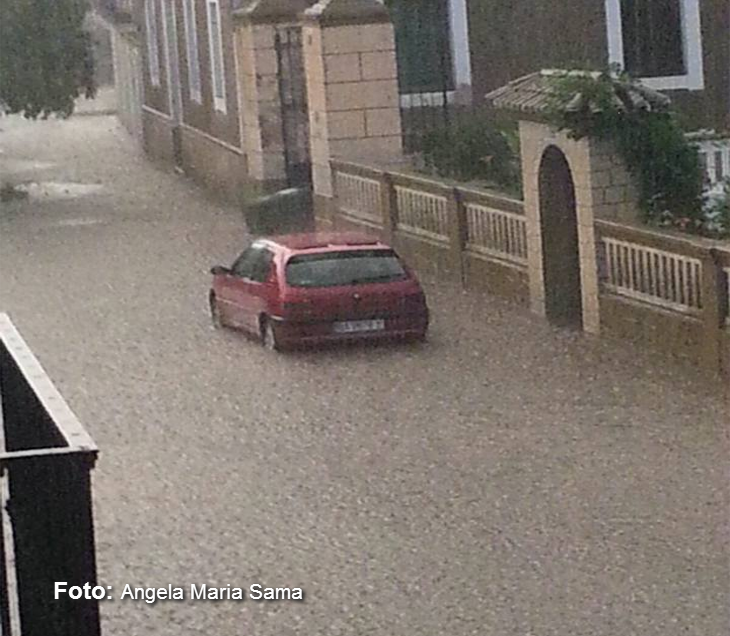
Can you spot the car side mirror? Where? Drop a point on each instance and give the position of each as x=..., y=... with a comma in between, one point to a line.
x=218, y=270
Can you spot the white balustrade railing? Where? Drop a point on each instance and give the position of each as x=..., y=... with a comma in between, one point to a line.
x=422, y=212
x=496, y=233
x=358, y=196
x=715, y=157
x=651, y=275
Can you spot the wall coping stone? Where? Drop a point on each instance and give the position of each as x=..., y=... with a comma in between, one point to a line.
x=271, y=11
x=329, y=13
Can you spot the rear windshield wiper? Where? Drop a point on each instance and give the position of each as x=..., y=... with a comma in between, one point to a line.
x=375, y=279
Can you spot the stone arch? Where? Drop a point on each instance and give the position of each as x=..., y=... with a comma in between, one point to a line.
x=559, y=238
x=578, y=160
x=603, y=188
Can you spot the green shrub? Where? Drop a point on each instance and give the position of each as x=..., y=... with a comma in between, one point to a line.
x=650, y=140
x=473, y=149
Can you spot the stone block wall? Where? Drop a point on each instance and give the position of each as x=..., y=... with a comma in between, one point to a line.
x=261, y=120
x=353, y=95
x=615, y=194
x=157, y=136
x=220, y=167
x=205, y=159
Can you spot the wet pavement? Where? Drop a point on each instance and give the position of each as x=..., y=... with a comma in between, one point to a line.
x=505, y=479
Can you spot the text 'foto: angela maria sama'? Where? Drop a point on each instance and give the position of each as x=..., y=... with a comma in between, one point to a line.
x=203, y=592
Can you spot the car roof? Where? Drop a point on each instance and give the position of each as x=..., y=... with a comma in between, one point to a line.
x=324, y=241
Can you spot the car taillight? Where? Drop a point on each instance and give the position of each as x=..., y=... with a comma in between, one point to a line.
x=414, y=301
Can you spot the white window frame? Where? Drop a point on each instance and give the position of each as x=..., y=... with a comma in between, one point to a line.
x=459, y=33
x=219, y=101
x=694, y=78
x=153, y=41
x=191, y=50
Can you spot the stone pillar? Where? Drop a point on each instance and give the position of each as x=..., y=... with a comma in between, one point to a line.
x=258, y=86
x=458, y=233
x=714, y=292
x=352, y=86
x=587, y=162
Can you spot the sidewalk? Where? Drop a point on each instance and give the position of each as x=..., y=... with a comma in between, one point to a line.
x=105, y=103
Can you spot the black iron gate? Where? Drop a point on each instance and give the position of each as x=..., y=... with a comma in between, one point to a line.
x=294, y=110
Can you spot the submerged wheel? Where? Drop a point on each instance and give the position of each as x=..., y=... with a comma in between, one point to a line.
x=215, y=312
x=417, y=338
x=268, y=336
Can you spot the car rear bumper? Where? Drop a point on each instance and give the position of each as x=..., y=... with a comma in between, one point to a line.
x=292, y=333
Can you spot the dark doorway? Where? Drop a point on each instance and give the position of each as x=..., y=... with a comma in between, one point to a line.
x=559, y=230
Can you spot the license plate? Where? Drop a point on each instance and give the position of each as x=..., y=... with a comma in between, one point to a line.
x=357, y=326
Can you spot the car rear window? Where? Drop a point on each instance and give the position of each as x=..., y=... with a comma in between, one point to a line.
x=352, y=267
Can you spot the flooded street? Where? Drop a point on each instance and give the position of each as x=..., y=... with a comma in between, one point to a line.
x=506, y=478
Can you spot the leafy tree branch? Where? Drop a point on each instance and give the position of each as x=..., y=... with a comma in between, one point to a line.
x=45, y=57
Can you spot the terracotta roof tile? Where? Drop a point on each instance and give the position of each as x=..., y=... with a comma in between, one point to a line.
x=533, y=94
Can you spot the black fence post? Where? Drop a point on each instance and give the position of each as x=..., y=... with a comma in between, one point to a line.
x=46, y=459
x=50, y=511
x=4, y=597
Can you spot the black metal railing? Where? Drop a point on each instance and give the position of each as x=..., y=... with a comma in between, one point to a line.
x=425, y=68
x=47, y=528
x=294, y=108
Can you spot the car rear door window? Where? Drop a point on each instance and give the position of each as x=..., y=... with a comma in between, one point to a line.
x=261, y=267
x=352, y=267
x=244, y=264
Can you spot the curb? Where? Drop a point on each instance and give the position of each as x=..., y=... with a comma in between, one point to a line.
x=96, y=113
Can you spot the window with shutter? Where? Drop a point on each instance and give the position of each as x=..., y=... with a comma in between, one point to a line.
x=652, y=35
x=191, y=50
x=153, y=52
x=658, y=41
x=216, y=55
x=423, y=43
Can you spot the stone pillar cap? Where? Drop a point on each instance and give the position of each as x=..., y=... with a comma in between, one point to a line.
x=271, y=11
x=345, y=12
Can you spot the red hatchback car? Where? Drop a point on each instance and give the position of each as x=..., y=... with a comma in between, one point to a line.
x=308, y=288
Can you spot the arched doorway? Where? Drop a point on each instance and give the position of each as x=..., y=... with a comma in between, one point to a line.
x=559, y=231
